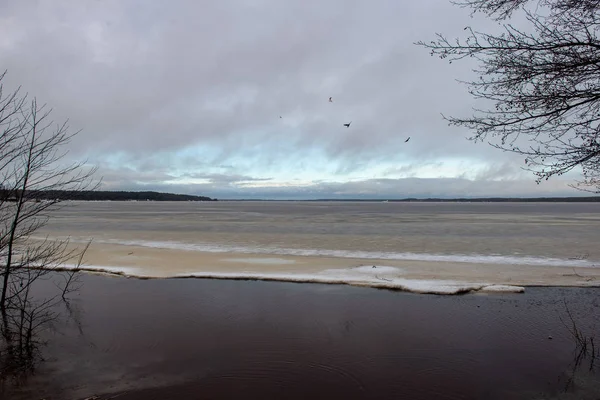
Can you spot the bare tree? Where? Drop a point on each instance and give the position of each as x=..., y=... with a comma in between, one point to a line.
x=542, y=84
x=32, y=164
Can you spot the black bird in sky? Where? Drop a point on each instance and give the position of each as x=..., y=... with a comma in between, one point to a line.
x=348, y=124
x=407, y=139
x=330, y=100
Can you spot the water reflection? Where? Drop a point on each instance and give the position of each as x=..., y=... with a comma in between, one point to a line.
x=20, y=343
x=189, y=338
x=19, y=349
x=26, y=324
x=584, y=367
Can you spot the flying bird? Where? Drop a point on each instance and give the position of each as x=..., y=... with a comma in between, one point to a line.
x=330, y=100
x=348, y=124
x=280, y=116
x=407, y=139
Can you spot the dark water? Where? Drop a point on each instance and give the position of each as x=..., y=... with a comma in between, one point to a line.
x=192, y=339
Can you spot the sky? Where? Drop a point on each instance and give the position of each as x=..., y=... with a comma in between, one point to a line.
x=229, y=98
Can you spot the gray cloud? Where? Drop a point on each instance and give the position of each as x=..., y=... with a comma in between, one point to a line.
x=226, y=179
x=410, y=170
x=506, y=180
x=501, y=171
x=368, y=189
x=194, y=89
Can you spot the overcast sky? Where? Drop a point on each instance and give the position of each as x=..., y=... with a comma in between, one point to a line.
x=186, y=96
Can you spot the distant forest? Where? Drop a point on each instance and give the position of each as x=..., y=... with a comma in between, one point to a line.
x=587, y=199
x=94, y=195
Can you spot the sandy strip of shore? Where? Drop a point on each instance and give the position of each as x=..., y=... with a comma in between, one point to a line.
x=164, y=263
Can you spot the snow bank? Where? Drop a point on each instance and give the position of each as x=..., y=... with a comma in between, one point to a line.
x=372, y=276
x=378, y=277
x=502, y=288
x=111, y=270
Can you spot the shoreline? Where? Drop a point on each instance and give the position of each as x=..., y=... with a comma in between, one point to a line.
x=216, y=276
x=428, y=277
x=432, y=269
x=439, y=287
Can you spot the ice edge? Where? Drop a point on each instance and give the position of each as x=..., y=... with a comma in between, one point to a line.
x=379, y=277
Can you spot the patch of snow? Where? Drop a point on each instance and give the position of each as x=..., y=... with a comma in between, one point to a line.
x=503, y=289
x=360, y=276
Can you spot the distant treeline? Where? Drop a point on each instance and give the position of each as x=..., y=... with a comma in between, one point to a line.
x=491, y=200
x=93, y=195
x=465, y=200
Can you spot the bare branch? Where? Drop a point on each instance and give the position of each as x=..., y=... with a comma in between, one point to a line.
x=543, y=84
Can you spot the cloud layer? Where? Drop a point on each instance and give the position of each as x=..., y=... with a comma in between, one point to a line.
x=230, y=98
